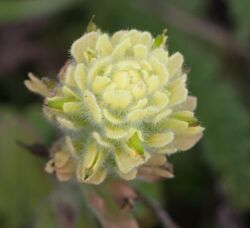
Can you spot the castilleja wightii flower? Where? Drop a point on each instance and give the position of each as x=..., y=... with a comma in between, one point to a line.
x=122, y=104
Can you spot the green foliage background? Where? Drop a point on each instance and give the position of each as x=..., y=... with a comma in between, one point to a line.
x=214, y=173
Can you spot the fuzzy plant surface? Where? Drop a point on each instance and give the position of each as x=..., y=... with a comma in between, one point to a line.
x=122, y=104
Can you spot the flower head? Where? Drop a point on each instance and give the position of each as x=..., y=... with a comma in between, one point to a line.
x=121, y=102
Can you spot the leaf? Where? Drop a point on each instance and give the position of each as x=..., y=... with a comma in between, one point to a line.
x=46, y=217
x=22, y=177
x=135, y=143
x=194, y=6
x=160, y=39
x=240, y=12
x=20, y=10
x=151, y=191
x=106, y=11
x=226, y=143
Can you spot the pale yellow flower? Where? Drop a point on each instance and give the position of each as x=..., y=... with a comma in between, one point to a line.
x=122, y=100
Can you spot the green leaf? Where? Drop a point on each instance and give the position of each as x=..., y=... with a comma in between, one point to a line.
x=106, y=11
x=240, y=12
x=160, y=39
x=135, y=143
x=21, y=9
x=58, y=102
x=193, y=6
x=46, y=217
x=24, y=183
x=226, y=143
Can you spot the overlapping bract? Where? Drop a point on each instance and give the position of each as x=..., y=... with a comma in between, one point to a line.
x=121, y=101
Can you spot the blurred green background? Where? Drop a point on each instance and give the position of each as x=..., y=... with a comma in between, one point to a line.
x=211, y=187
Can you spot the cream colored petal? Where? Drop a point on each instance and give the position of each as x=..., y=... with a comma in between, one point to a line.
x=69, y=75
x=189, y=104
x=108, y=70
x=111, y=118
x=161, y=55
x=145, y=38
x=175, y=63
x=112, y=86
x=141, y=114
x=152, y=110
x=145, y=65
x=98, y=68
x=120, y=49
x=100, y=140
x=160, y=140
x=90, y=156
x=186, y=142
x=36, y=85
x=118, y=36
x=153, y=83
x=99, y=84
x=72, y=107
x=104, y=45
x=178, y=96
x=65, y=123
x=140, y=104
x=162, y=116
x=160, y=99
x=139, y=90
x=128, y=176
x=80, y=76
x=79, y=46
x=175, y=125
x=178, y=91
x=117, y=99
x=184, y=115
x=137, y=115
x=168, y=150
x=127, y=160
x=193, y=130
x=116, y=133
x=69, y=92
x=177, y=82
x=121, y=79
x=140, y=51
x=97, y=178
x=127, y=64
x=92, y=106
x=90, y=170
x=133, y=36
x=100, y=159
x=160, y=70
